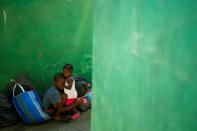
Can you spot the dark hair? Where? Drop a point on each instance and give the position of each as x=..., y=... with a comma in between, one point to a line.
x=59, y=76
x=68, y=66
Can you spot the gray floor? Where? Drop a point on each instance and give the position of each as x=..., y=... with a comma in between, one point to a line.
x=82, y=124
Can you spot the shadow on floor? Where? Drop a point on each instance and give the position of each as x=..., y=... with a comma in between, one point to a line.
x=82, y=124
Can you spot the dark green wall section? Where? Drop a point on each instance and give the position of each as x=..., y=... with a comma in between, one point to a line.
x=144, y=66
x=38, y=37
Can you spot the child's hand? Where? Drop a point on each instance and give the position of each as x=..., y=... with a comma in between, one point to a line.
x=84, y=101
x=89, y=84
x=69, y=82
x=79, y=100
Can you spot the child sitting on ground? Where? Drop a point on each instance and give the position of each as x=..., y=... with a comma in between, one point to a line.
x=70, y=96
x=81, y=85
x=52, y=100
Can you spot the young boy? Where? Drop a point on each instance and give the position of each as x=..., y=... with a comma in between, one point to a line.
x=53, y=102
x=82, y=86
x=70, y=96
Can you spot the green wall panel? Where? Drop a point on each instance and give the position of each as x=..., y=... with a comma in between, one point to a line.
x=38, y=37
x=144, y=65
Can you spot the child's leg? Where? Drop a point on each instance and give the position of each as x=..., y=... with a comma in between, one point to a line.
x=76, y=114
x=72, y=113
x=85, y=105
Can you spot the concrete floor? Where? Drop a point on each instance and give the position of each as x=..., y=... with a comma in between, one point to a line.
x=81, y=124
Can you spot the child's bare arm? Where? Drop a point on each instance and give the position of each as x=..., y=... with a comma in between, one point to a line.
x=61, y=108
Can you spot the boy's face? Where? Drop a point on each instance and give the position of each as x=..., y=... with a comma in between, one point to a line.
x=60, y=83
x=67, y=73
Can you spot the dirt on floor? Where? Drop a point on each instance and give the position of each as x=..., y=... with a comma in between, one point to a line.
x=81, y=124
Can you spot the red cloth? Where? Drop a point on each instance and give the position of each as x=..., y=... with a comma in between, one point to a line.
x=70, y=101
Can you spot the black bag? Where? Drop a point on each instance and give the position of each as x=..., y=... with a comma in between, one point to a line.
x=8, y=115
x=24, y=81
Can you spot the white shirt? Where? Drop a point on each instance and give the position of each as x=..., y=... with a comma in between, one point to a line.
x=71, y=93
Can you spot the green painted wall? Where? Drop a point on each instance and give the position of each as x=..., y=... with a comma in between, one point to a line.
x=144, y=65
x=39, y=36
